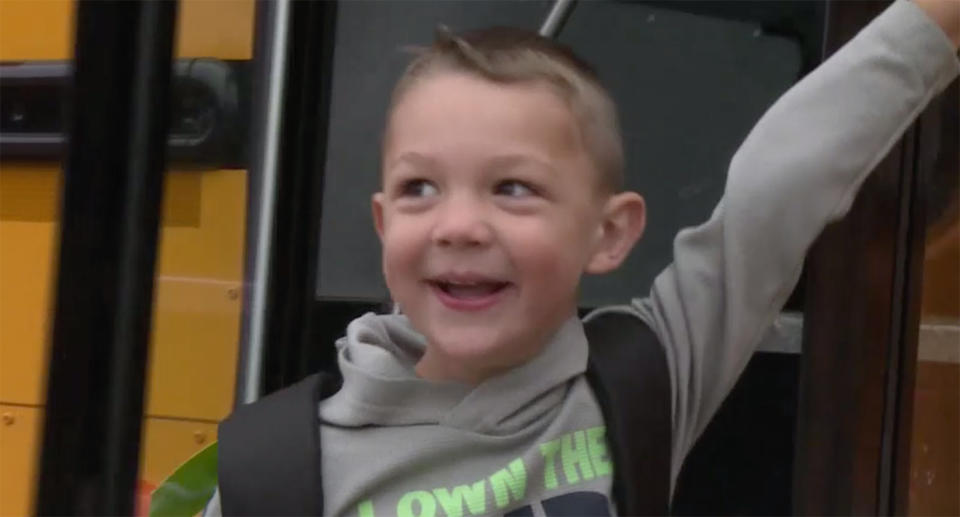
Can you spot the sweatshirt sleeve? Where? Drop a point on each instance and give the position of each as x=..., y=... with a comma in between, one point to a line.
x=798, y=169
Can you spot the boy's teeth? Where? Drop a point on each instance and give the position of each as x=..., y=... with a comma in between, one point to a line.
x=471, y=290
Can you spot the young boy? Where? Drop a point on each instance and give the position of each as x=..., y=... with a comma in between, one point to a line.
x=501, y=186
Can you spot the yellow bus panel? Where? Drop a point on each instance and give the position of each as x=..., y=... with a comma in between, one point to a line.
x=43, y=29
x=198, y=297
x=19, y=433
x=28, y=200
x=167, y=443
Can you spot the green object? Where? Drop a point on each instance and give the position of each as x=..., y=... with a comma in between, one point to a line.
x=187, y=490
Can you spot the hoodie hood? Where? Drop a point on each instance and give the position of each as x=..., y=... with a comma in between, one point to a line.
x=381, y=388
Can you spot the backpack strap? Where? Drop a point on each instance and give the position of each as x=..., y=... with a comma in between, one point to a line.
x=627, y=369
x=269, y=452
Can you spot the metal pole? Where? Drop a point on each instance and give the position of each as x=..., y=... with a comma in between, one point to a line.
x=557, y=16
x=252, y=367
x=108, y=241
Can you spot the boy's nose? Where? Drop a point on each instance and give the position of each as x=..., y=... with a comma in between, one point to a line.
x=462, y=226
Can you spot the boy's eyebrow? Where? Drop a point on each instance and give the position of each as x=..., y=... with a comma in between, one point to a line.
x=426, y=162
x=418, y=160
x=512, y=160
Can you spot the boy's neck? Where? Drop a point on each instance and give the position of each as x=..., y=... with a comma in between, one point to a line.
x=434, y=368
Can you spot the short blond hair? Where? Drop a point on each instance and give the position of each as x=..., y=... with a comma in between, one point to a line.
x=509, y=55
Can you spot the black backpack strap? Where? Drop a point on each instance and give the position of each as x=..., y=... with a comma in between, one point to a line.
x=269, y=453
x=627, y=369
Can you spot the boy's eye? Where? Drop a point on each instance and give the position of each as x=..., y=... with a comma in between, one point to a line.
x=418, y=188
x=513, y=188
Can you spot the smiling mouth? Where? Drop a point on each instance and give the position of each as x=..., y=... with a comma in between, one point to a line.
x=470, y=290
x=468, y=296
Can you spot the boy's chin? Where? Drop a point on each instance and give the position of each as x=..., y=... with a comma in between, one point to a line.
x=477, y=348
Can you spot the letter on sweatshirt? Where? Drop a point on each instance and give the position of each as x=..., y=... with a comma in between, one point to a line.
x=509, y=481
x=425, y=505
x=452, y=504
x=549, y=451
x=597, y=445
x=365, y=509
x=574, y=456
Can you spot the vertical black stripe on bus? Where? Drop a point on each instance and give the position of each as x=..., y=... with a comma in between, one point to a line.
x=108, y=241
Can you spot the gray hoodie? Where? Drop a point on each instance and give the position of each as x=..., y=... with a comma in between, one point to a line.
x=532, y=440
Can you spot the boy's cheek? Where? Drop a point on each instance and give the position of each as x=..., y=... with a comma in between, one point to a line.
x=402, y=242
x=550, y=253
x=551, y=282
x=399, y=270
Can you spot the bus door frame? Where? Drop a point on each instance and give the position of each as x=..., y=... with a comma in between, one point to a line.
x=861, y=324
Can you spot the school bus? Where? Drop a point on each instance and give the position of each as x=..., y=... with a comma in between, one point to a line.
x=340, y=61
x=200, y=267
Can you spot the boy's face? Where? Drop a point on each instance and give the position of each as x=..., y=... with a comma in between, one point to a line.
x=490, y=211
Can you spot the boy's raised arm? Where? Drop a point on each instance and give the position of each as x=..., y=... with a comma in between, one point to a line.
x=798, y=170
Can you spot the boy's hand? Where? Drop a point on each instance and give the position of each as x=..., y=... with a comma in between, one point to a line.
x=946, y=13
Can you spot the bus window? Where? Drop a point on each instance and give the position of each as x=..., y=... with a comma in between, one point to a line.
x=659, y=96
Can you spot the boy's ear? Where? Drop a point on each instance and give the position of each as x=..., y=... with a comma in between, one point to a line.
x=624, y=219
x=376, y=204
